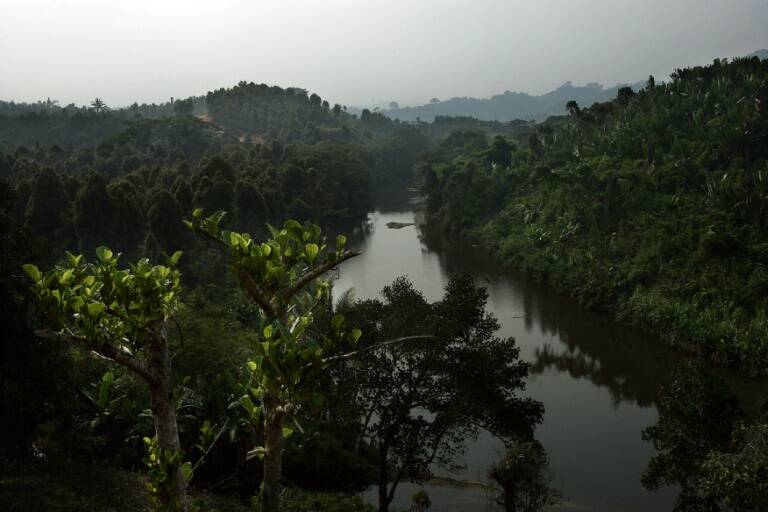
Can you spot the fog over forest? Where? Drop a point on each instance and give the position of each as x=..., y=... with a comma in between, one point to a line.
x=357, y=52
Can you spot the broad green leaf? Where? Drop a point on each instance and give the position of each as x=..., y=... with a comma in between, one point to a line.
x=186, y=468
x=175, y=257
x=268, y=331
x=311, y=250
x=32, y=271
x=341, y=241
x=104, y=254
x=355, y=335
x=287, y=432
x=66, y=277
x=292, y=224
x=216, y=217
x=337, y=321
x=95, y=308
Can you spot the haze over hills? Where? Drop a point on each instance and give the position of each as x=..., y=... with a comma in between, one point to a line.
x=517, y=105
x=509, y=105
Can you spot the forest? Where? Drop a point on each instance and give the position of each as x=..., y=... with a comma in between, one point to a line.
x=652, y=206
x=173, y=341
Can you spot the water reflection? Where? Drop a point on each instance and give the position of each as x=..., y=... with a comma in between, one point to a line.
x=585, y=345
x=599, y=381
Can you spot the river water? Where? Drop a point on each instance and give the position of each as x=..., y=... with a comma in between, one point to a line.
x=598, y=380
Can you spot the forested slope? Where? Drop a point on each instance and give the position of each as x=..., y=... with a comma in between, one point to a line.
x=653, y=206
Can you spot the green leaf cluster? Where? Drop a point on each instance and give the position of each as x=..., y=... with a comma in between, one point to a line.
x=102, y=302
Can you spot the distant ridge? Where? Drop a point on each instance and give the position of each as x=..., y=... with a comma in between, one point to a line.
x=517, y=105
x=509, y=105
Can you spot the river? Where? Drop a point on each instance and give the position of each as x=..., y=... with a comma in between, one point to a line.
x=598, y=380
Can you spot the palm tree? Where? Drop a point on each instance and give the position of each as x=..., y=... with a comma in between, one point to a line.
x=98, y=105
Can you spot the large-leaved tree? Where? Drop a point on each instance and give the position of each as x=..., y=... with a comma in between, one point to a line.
x=284, y=277
x=121, y=314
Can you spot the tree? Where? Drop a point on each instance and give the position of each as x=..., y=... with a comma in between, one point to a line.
x=500, y=152
x=93, y=213
x=651, y=84
x=30, y=368
x=121, y=315
x=127, y=217
x=284, y=278
x=183, y=108
x=98, y=105
x=393, y=105
x=47, y=212
x=523, y=476
x=537, y=148
x=182, y=191
x=578, y=116
x=251, y=207
x=215, y=194
x=625, y=95
x=739, y=479
x=165, y=221
x=698, y=415
x=573, y=108
x=419, y=402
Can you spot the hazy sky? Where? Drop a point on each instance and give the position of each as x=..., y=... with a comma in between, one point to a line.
x=357, y=51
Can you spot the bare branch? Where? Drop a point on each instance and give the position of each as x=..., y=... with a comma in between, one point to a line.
x=210, y=447
x=376, y=346
x=317, y=272
x=107, y=350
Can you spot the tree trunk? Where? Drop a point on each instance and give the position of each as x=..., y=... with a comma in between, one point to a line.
x=273, y=456
x=510, y=504
x=166, y=428
x=384, y=499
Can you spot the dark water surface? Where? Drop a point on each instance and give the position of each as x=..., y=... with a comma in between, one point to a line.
x=597, y=379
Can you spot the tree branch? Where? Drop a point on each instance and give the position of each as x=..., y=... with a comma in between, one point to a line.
x=317, y=272
x=208, y=236
x=376, y=346
x=103, y=349
x=255, y=293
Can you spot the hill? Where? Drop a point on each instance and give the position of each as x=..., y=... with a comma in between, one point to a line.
x=653, y=206
x=509, y=105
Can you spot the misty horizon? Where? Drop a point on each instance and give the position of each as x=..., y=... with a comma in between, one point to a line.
x=357, y=54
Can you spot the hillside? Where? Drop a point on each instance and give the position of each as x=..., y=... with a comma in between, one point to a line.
x=653, y=206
